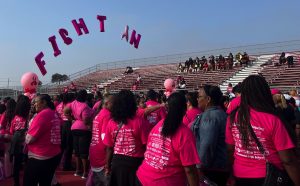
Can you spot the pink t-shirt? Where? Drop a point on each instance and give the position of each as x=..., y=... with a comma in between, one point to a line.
x=97, y=148
x=233, y=104
x=80, y=112
x=45, y=128
x=154, y=117
x=96, y=105
x=60, y=110
x=165, y=158
x=56, y=103
x=5, y=127
x=18, y=123
x=140, y=112
x=190, y=116
x=229, y=90
x=271, y=133
x=131, y=137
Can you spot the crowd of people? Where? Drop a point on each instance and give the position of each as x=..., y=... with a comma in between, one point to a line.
x=213, y=63
x=148, y=139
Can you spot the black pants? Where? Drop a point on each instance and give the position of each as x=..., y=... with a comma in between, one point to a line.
x=18, y=159
x=123, y=170
x=67, y=144
x=40, y=171
x=249, y=181
x=219, y=177
x=81, y=143
x=99, y=179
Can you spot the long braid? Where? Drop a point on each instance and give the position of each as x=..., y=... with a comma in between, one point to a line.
x=256, y=94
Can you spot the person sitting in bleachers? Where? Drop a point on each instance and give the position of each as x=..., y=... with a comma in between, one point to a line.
x=134, y=86
x=217, y=63
x=238, y=57
x=94, y=89
x=282, y=59
x=182, y=84
x=196, y=64
x=187, y=66
x=180, y=68
x=221, y=63
x=73, y=87
x=212, y=63
x=138, y=79
x=230, y=60
x=178, y=80
x=229, y=89
x=245, y=59
x=290, y=61
x=191, y=64
x=205, y=67
x=202, y=61
x=128, y=70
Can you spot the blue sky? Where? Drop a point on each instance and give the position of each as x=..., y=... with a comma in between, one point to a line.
x=167, y=27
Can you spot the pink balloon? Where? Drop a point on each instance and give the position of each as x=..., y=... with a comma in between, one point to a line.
x=135, y=40
x=79, y=26
x=101, y=19
x=31, y=96
x=64, y=35
x=169, y=85
x=167, y=94
x=29, y=81
x=125, y=33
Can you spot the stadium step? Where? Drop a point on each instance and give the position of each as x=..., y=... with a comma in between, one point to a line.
x=254, y=68
x=110, y=81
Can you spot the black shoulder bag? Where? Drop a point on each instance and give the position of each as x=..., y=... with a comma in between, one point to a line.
x=274, y=175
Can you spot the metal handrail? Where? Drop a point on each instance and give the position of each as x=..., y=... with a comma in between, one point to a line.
x=255, y=49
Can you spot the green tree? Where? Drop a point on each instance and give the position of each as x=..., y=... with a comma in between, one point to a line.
x=64, y=77
x=56, y=78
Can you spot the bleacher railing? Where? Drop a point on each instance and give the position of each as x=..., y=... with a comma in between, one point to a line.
x=252, y=50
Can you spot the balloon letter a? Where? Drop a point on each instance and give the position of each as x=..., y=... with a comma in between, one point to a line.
x=125, y=33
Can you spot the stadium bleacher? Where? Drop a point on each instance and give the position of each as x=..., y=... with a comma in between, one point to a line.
x=153, y=76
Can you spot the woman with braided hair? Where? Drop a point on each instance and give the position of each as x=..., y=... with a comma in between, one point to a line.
x=256, y=120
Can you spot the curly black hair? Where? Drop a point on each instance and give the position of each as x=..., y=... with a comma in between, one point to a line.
x=23, y=106
x=123, y=106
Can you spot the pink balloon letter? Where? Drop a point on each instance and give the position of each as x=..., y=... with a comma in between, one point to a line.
x=125, y=33
x=56, y=50
x=134, y=40
x=41, y=63
x=79, y=26
x=101, y=19
x=64, y=35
